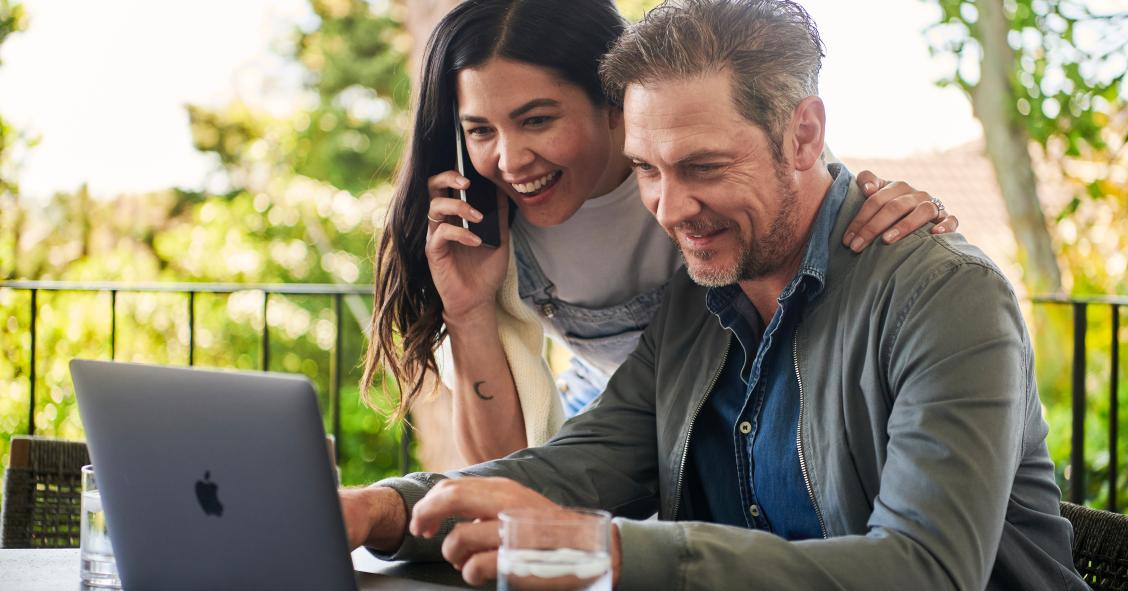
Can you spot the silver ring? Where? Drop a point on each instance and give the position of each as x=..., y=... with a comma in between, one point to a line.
x=441, y=221
x=939, y=205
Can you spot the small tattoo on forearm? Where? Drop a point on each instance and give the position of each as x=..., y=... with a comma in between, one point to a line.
x=478, y=391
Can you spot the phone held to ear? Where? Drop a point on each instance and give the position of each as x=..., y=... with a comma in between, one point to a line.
x=482, y=194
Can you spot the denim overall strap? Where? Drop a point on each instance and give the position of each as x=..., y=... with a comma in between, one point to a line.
x=599, y=338
x=532, y=284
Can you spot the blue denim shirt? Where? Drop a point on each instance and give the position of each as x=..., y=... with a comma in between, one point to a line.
x=744, y=451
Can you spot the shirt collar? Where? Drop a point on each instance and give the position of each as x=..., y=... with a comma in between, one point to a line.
x=812, y=270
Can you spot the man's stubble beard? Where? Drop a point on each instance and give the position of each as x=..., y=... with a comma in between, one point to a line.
x=756, y=257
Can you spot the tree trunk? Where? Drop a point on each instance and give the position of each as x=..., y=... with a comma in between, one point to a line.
x=432, y=419
x=421, y=17
x=1008, y=149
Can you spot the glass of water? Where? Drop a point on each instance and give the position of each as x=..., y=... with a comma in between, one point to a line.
x=566, y=549
x=98, y=569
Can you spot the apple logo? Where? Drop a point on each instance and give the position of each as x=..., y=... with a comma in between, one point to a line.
x=207, y=494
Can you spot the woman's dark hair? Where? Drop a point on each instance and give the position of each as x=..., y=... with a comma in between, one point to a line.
x=567, y=37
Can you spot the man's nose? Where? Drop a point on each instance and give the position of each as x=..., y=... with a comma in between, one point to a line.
x=676, y=202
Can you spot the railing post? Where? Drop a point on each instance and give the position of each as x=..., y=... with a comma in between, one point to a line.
x=335, y=378
x=1077, y=451
x=1114, y=410
x=265, y=332
x=113, y=324
x=191, y=328
x=31, y=368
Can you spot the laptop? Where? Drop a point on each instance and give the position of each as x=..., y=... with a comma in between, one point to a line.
x=213, y=479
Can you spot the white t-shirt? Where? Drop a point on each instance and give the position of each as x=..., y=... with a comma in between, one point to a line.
x=610, y=251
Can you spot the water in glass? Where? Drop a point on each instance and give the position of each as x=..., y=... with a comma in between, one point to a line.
x=560, y=568
x=98, y=569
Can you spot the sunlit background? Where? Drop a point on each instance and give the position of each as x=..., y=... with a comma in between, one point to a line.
x=104, y=84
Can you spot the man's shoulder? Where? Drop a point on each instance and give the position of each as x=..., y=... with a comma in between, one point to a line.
x=922, y=257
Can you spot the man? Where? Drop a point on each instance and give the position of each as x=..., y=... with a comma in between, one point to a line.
x=802, y=416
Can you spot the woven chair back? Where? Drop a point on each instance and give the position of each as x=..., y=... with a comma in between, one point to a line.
x=42, y=493
x=1100, y=546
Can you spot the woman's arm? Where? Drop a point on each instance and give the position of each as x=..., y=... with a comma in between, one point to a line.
x=488, y=423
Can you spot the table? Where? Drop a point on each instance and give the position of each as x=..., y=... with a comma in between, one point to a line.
x=57, y=570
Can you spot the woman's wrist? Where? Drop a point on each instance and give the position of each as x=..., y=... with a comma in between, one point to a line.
x=472, y=321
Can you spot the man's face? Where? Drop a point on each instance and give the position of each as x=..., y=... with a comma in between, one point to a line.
x=708, y=176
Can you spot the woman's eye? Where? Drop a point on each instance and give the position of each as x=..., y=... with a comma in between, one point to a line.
x=537, y=121
x=478, y=131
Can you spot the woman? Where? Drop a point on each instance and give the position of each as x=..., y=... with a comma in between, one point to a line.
x=582, y=258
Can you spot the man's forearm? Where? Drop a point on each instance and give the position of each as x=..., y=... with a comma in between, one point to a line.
x=387, y=517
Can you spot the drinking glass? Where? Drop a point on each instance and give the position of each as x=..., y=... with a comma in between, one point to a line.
x=565, y=549
x=98, y=569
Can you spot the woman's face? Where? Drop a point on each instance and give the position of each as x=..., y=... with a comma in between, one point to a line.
x=539, y=138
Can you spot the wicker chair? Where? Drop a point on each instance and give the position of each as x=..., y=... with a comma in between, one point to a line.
x=1100, y=546
x=42, y=493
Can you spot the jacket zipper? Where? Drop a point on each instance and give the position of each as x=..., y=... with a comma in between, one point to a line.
x=799, y=436
x=692, y=420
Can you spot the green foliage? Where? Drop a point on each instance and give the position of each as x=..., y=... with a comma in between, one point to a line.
x=13, y=18
x=304, y=203
x=1061, y=80
x=353, y=135
x=635, y=9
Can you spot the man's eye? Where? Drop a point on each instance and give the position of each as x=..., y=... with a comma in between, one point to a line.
x=642, y=166
x=704, y=168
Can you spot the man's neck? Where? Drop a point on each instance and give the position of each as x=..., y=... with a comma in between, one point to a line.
x=764, y=291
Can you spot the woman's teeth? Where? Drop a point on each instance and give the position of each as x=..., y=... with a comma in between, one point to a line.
x=538, y=185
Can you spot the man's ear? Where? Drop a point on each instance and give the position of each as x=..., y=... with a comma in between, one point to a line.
x=808, y=126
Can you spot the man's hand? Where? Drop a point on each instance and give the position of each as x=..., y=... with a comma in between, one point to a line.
x=374, y=516
x=472, y=546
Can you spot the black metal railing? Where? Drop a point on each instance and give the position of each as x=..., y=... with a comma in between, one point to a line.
x=1080, y=308
x=335, y=292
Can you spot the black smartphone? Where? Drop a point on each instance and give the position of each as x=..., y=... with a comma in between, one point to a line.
x=482, y=194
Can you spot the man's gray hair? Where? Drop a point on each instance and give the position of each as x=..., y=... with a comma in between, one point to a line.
x=771, y=48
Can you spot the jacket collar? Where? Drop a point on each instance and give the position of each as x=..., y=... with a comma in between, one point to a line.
x=816, y=258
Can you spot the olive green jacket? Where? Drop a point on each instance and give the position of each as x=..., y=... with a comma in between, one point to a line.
x=920, y=434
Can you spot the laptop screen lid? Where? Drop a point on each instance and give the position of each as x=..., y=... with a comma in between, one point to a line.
x=213, y=479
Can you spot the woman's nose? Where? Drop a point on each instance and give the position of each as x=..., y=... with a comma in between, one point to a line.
x=513, y=155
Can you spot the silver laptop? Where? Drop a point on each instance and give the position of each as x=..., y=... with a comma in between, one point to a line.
x=213, y=479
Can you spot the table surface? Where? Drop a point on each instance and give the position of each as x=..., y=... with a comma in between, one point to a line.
x=57, y=570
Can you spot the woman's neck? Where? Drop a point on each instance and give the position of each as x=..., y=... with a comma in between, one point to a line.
x=617, y=171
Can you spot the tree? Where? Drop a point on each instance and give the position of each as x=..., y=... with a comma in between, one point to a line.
x=1041, y=72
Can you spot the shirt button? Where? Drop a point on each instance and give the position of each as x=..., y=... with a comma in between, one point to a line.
x=754, y=510
x=745, y=427
x=562, y=386
x=548, y=310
